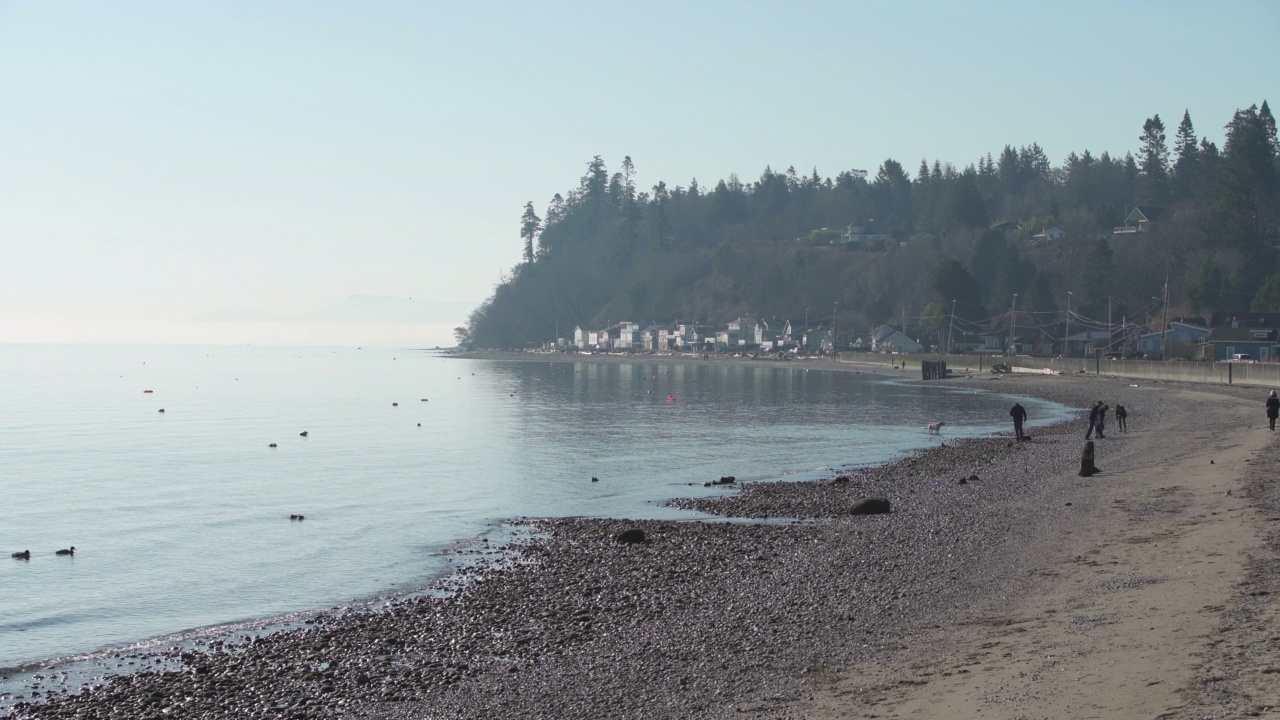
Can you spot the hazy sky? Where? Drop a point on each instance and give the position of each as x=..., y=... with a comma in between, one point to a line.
x=160, y=160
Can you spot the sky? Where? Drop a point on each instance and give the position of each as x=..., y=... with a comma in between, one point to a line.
x=161, y=160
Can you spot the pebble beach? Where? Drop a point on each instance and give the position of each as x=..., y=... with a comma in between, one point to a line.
x=755, y=615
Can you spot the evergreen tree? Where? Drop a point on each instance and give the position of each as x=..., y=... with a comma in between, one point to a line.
x=530, y=226
x=968, y=207
x=988, y=257
x=1186, y=166
x=1153, y=172
x=594, y=186
x=1269, y=127
x=1268, y=297
x=1212, y=290
x=950, y=282
x=1039, y=294
x=891, y=195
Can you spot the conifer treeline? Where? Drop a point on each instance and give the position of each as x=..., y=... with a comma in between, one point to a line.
x=608, y=251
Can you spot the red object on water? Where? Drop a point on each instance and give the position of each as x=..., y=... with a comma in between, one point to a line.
x=671, y=398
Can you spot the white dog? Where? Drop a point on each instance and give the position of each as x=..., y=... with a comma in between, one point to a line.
x=934, y=427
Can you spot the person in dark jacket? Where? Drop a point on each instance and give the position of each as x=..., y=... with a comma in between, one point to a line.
x=1095, y=420
x=1019, y=415
x=1121, y=416
x=1273, y=409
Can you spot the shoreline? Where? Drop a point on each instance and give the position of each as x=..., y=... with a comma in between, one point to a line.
x=709, y=619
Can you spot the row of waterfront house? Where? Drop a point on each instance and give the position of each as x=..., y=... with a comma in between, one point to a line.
x=1224, y=336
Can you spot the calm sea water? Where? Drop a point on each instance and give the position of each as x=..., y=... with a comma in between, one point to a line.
x=181, y=520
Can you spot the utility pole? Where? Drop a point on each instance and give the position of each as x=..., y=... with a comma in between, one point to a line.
x=835, y=342
x=1066, y=341
x=1164, y=324
x=1013, y=322
x=1109, y=330
x=952, y=331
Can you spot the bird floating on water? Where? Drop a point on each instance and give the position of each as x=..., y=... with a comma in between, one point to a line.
x=297, y=517
x=67, y=551
x=24, y=555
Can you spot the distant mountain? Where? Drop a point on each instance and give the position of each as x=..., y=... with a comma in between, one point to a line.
x=357, y=309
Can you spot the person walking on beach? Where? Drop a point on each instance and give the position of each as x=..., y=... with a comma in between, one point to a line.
x=1094, y=423
x=1273, y=409
x=1121, y=415
x=1019, y=415
x=1102, y=419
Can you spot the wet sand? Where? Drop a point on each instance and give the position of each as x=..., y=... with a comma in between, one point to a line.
x=937, y=609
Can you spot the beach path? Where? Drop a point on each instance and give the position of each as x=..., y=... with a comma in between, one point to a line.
x=1129, y=616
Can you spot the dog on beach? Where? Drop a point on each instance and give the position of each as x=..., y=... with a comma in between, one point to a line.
x=934, y=427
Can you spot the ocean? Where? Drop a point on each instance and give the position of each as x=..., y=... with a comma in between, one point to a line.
x=181, y=518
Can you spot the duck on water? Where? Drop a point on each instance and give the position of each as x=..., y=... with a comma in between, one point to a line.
x=24, y=555
x=67, y=551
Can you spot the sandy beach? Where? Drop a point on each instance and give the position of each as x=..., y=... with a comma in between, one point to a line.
x=1000, y=586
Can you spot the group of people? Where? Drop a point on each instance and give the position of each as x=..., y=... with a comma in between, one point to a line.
x=1097, y=424
x=1098, y=419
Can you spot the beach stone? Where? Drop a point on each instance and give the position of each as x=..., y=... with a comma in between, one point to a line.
x=871, y=506
x=840, y=480
x=630, y=536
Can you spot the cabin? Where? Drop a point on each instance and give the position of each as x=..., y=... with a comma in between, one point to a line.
x=1137, y=221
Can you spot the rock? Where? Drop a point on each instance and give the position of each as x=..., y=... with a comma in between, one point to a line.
x=973, y=478
x=871, y=506
x=964, y=481
x=728, y=480
x=631, y=536
x=840, y=480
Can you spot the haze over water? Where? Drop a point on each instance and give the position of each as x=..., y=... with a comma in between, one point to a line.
x=181, y=518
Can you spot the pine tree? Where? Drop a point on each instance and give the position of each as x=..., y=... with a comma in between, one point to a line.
x=1269, y=127
x=530, y=226
x=1185, y=169
x=1153, y=171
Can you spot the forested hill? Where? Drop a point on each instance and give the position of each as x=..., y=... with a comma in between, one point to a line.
x=781, y=246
